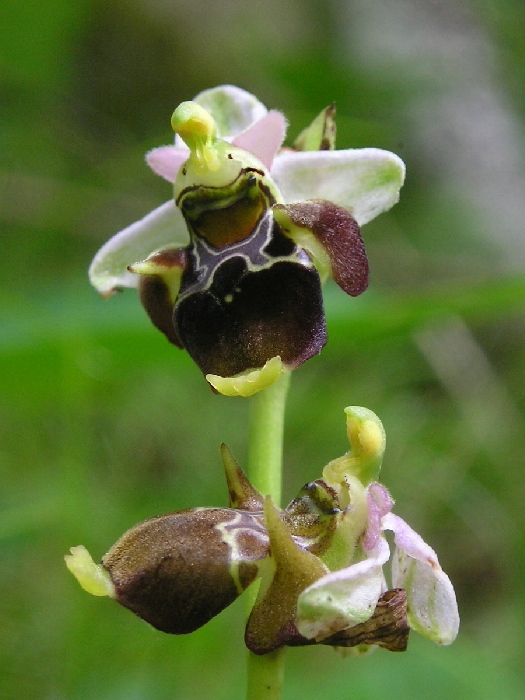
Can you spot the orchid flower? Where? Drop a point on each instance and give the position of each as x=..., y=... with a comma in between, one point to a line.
x=320, y=559
x=231, y=268
x=349, y=595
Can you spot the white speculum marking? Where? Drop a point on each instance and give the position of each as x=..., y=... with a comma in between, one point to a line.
x=230, y=530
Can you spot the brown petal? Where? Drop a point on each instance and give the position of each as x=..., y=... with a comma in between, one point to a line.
x=331, y=236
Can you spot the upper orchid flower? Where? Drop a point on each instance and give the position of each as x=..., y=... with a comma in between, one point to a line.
x=230, y=269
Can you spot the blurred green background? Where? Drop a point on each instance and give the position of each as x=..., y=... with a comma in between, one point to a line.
x=103, y=424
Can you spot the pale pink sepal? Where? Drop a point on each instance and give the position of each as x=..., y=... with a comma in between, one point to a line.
x=164, y=227
x=365, y=181
x=233, y=108
x=431, y=600
x=343, y=598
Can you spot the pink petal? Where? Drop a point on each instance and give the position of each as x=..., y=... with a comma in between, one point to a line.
x=380, y=503
x=166, y=161
x=382, y=497
x=264, y=138
x=409, y=541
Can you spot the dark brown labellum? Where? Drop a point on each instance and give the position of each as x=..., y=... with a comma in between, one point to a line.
x=177, y=571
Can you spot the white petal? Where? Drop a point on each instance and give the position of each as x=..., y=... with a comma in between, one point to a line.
x=234, y=109
x=344, y=598
x=264, y=138
x=366, y=181
x=166, y=160
x=162, y=228
x=432, y=606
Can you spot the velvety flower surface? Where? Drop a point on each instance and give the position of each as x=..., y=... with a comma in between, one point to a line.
x=321, y=561
x=230, y=269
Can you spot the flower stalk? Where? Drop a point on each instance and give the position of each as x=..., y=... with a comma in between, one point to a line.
x=265, y=462
x=265, y=452
x=265, y=675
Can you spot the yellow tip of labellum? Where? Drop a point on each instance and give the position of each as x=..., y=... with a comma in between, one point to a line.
x=147, y=267
x=248, y=383
x=92, y=577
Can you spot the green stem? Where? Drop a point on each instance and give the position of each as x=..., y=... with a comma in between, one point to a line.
x=265, y=457
x=265, y=675
x=265, y=461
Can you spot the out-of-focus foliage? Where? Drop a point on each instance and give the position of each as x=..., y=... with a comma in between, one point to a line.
x=103, y=424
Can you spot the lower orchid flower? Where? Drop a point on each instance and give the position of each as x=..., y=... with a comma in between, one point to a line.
x=341, y=599
x=231, y=268
x=320, y=559
x=349, y=595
